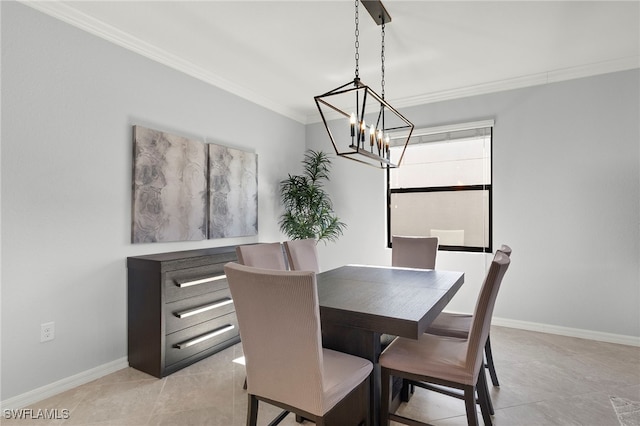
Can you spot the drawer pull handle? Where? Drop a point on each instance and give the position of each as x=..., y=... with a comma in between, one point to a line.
x=183, y=284
x=204, y=308
x=206, y=336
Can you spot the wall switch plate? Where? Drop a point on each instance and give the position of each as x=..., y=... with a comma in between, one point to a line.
x=47, y=331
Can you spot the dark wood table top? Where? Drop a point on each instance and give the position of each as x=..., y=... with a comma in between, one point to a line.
x=397, y=301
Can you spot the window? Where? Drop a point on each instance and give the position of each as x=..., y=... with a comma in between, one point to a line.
x=443, y=187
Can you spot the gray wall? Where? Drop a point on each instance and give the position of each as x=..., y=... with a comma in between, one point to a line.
x=69, y=101
x=566, y=182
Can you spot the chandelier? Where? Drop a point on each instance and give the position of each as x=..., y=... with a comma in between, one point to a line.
x=371, y=123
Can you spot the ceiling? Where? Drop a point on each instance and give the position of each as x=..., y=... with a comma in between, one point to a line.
x=280, y=54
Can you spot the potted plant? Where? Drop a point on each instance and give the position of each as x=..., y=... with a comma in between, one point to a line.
x=308, y=208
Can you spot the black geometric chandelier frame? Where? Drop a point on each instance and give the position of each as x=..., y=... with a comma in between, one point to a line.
x=353, y=101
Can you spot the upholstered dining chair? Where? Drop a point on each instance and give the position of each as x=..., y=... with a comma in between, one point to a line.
x=279, y=321
x=411, y=252
x=447, y=361
x=262, y=255
x=414, y=252
x=458, y=325
x=302, y=255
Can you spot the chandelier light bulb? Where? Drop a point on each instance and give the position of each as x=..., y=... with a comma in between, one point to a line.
x=352, y=122
x=387, y=146
x=372, y=134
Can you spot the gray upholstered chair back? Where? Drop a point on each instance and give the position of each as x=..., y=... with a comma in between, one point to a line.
x=263, y=255
x=505, y=249
x=483, y=312
x=279, y=322
x=302, y=255
x=414, y=252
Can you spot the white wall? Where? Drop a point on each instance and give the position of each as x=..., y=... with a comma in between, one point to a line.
x=69, y=101
x=566, y=188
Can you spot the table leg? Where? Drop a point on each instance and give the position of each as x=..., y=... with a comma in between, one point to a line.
x=362, y=343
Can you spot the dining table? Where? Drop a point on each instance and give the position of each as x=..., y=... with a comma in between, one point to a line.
x=360, y=303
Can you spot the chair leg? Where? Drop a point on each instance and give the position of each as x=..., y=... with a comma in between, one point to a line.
x=486, y=390
x=385, y=398
x=470, y=405
x=252, y=411
x=490, y=366
x=486, y=408
x=405, y=391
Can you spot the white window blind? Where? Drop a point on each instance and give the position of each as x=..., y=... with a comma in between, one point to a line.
x=443, y=186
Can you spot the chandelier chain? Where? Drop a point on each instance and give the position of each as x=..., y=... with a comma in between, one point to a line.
x=382, y=60
x=357, y=44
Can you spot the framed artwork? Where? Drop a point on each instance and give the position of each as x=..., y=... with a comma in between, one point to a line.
x=233, y=192
x=169, y=187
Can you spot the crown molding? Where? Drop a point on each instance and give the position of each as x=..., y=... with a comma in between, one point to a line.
x=553, y=76
x=622, y=64
x=107, y=32
x=87, y=23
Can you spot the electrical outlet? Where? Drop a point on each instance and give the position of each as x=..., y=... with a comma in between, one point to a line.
x=47, y=331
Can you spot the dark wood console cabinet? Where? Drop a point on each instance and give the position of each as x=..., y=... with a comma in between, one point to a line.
x=179, y=309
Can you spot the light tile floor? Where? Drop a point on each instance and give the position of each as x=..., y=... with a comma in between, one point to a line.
x=545, y=380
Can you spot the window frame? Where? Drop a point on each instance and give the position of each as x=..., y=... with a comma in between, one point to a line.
x=476, y=187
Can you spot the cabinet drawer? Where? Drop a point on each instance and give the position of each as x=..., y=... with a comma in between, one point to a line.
x=184, y=283
x=190, y=341
x=194, y=310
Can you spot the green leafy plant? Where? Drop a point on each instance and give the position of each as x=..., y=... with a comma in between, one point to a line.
x=308, y=208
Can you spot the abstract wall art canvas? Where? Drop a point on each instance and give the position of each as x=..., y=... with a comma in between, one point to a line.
x=233, y=192
x=169, y=187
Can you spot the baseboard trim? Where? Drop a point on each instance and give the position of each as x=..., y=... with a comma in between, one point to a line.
x=568, y=331
x=63, y=385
